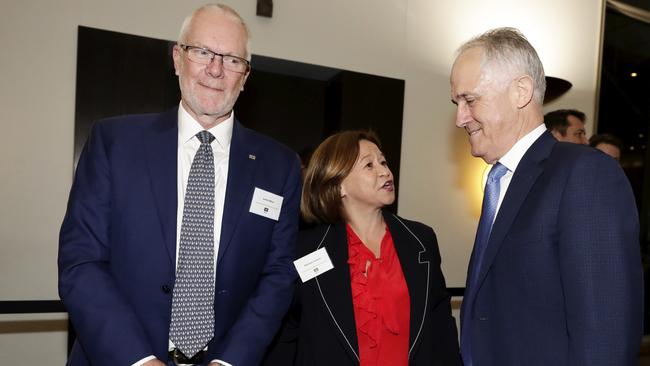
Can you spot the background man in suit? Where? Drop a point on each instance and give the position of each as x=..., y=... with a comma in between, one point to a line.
x=609, y=144
x=555, y=274
x=567, y=125
x=181, y=226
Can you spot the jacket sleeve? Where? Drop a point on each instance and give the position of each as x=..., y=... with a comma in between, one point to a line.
x=284, y=346
x=103, y=319
x=600, y=264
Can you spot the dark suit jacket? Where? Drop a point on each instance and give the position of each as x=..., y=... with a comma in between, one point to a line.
x=321, y=328
x=118, y=244
x=561, y=283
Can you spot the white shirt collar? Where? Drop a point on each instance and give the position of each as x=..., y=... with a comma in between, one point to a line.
x=188, y=127
x=512, y=158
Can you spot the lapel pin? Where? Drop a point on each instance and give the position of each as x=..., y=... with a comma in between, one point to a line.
x=251, y=156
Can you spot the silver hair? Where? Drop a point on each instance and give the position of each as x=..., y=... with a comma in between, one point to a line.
x=509, y=49
x=185, y=27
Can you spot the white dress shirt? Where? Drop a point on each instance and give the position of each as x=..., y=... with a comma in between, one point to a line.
x=512, y=158
x=188, y=145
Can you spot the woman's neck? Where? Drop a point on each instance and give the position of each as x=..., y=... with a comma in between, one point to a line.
x=369, y=227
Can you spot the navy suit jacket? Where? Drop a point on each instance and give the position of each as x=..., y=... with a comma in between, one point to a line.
x=321, y=330
x=561, y=283
x=118, y=244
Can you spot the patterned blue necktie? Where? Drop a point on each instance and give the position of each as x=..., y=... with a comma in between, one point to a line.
x=192, y=325
x=490, y=201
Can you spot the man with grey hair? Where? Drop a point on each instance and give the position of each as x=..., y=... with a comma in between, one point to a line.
x=178, y=241
x=555, y=274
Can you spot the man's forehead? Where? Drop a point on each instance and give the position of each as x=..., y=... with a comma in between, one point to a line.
x=470, y=56
x=218, y=31
x=466, y=77
x=215, y=20
x=573, y=120
x=473, y=76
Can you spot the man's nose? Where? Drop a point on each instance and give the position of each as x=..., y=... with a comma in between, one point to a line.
x=462, y=116
x=215, y=68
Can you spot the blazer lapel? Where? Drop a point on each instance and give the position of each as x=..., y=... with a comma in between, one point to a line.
x=525, y=175
x=335, y=288
x=415, y=263
x=241, y=166
x=161, y=156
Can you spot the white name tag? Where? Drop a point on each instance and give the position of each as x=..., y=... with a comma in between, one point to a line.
x=313, y=264
x=266, y=204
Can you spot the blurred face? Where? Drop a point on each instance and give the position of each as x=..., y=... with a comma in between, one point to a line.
x=575, y=132
x=610, y=150
x=209, y=92
x=370, y=183
x=486, y=106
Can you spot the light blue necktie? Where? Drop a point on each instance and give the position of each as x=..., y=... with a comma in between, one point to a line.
x=192, y=325
x=490, y=202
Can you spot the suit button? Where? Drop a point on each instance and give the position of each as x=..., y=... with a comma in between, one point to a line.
x=482, y=318
x=166, y=289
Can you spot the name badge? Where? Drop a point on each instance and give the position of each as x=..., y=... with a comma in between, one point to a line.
x=266, y=204
x=313, y=264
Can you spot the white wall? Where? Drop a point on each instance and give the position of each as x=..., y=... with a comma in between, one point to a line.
x=412, y=40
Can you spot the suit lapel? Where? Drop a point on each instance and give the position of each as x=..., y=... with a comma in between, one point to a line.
x=241, y=166
x=527, y=172
x=415, y=264
x=161, y=156
x=336, y=291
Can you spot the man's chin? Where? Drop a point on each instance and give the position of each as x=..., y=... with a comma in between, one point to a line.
x=487, y=159
x=476, y=153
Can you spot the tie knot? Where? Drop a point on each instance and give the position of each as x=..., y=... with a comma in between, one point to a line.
x=205, y=137
x=497, y=171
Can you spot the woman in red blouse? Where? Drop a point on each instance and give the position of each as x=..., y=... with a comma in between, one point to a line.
x=384, y=302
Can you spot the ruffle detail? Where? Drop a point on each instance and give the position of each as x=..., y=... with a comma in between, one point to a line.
x=372, y=310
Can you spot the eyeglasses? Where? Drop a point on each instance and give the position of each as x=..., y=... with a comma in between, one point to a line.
x=204, y=56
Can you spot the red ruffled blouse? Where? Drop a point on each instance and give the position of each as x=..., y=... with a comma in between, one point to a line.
x=381, y=302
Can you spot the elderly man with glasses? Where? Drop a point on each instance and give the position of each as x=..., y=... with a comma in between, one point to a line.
x=178, y=240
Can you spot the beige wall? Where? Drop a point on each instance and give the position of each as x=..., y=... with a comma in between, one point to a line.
x=413, y=40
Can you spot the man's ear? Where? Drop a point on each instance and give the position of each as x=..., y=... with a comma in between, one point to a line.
x=176, y=55
x=524, y=87
x=558, y=136
x=243, y=82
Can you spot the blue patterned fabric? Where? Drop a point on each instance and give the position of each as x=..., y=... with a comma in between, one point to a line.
x=192, y=324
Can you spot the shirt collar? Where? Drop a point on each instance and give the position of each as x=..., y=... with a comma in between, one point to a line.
x=512, y=158
x=188, y=127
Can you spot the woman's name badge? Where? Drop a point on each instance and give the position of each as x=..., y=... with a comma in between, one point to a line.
x=313, y=264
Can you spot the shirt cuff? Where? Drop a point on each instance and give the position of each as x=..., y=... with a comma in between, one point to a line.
x=142, y=361
x=224, y=363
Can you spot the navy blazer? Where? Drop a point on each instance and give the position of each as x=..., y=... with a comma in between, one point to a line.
x=118, y=244
x=561, y=281
x=320, y=329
